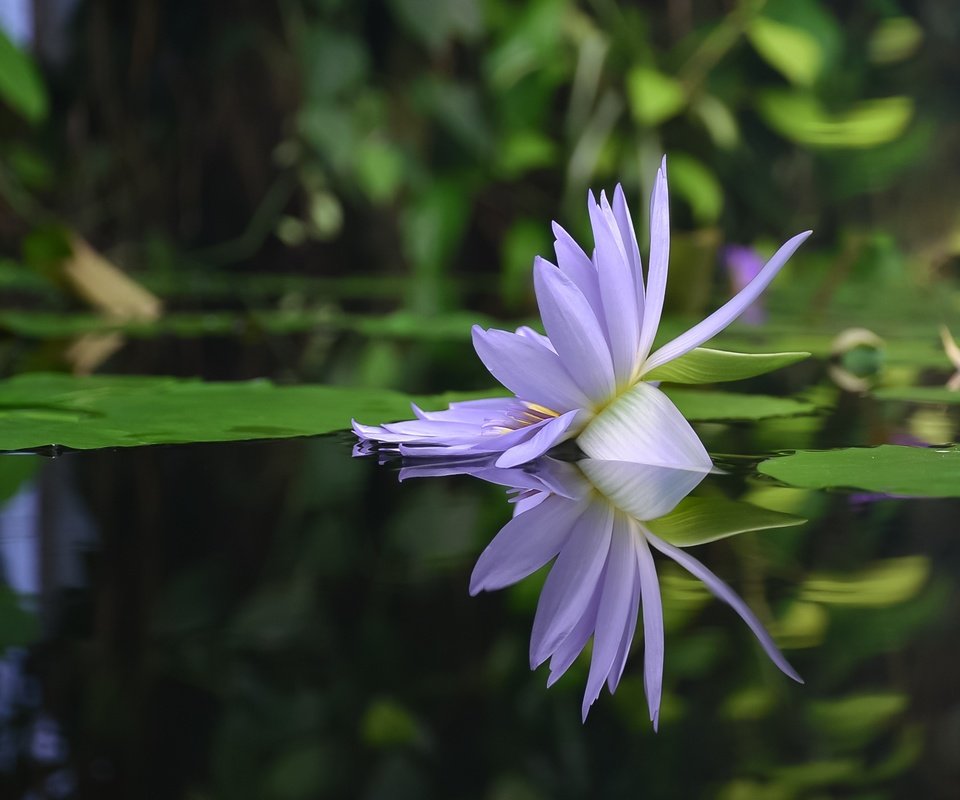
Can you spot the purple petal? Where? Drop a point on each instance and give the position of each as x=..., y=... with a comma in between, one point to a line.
x=628, y=236
x=578, y=267
x=653, y=646
x=571, y=582
x=620, y=576
x=525, y=544
x=529, y=333
x=629, y=629
x=553, y=432
x=727, y=313
x=720, y=590
x=644, y=426
x=567, y=651
x=659, y=261
x=528, y=369
x=618, y=291
x=574, y=331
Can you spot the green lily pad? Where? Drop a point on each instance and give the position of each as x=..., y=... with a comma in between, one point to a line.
x=697, y=520
x=890, y=469
x=38, y=410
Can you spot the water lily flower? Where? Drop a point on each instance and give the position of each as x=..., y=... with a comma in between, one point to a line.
x=599, y=522
x=594, y=376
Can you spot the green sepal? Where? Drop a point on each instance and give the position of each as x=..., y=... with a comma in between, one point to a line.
x=697, y=520
x=703, y=365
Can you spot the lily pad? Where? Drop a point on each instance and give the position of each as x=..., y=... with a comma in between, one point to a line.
x=888, y=469
x=38, y=410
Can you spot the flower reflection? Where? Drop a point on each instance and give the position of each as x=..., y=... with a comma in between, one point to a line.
x=594, y=520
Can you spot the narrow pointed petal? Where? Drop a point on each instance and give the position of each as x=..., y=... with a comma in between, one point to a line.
x=659, y=262
x=571, y=581
x=574, y=331
x=614, y=609
x=644, y=426
x=629, y=629
x=723, y=316
x=618, y=291
x=720, y=590
x=628, y=236
x=643, y=491
x=567, y=651
x=578, y=267
x=653, y=645
x=536, y=336
x=525, y=544
x=528, y=369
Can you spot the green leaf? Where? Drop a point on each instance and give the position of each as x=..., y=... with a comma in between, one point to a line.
x=18, y=628
x=21, y=86
x=791, y=51
x=704, y=365
x=919, y=394
x=653, y=96
x=883, y=583
x=713, y=406
x=697, y=520
x=801, y=118
x=694, y=182
x=894, y=39
x=38, y=410
x=890, y=469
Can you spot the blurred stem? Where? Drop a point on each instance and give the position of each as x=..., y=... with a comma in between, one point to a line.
x=718, y=43
x=261, y=226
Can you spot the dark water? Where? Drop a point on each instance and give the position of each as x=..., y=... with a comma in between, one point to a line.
x=279, y=620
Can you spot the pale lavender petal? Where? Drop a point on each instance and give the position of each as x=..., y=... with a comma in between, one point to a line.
x=529, y=502
x=618, y=291
x=551, y=433
x=644, y=426
x=571, y=581
x=720, y=590
x=529, y=333
x=659, y=261
x=653, y=645
x=644, y=491
x=525, y=544
x=529, y=370
x=574, y=330
x=616, y=672
x=628, y=236
x=474, y=411
x=567, y=651
x=727, y=313
x=578, y=267
x=614, y=610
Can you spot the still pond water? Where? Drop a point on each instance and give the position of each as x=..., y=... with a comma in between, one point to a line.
x=279, y=619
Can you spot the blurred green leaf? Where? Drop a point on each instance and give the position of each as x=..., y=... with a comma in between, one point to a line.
x=698, y=520
x=857, y=719
x=18, y=628
x=704, y=365
x=380, y=169
x=388, y=724
x=883, y=583
x=801, y=118
x=21, y=86
x=890, y=469
x=434, y=24
x=15, y=470
x=695, y=182
x=791, y=51
x=894, y=40
x=654, y=97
